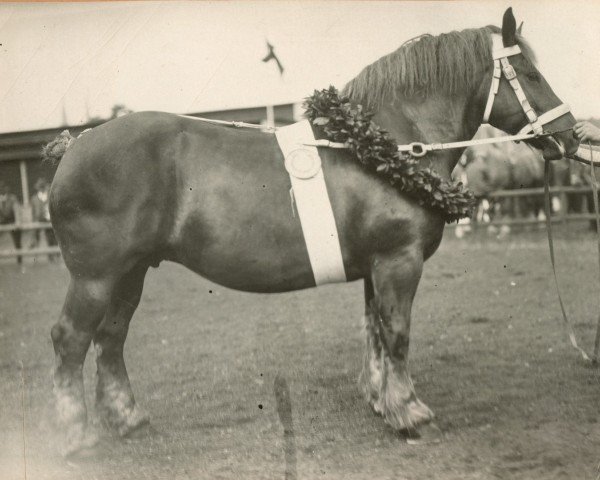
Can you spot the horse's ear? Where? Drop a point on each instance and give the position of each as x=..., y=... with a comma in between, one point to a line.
x=520, y=29
x=509, y=28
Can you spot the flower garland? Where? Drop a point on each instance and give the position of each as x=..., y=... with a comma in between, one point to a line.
x=351, y=125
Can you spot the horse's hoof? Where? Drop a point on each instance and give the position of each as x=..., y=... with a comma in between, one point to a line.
x=81, y=446
x=134, y=423
x=122, y=421
x=407, y=418
x=376, y=407
x=373, y=401
x=427, y=434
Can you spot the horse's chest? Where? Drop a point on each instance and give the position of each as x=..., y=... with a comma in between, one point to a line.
x=432, y=234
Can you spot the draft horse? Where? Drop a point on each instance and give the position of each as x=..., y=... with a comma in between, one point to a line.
x=152, y=186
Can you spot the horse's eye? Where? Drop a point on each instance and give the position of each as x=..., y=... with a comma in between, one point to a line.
x=533, y=76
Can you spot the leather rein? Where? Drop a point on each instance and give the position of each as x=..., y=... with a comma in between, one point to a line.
x=548, y=212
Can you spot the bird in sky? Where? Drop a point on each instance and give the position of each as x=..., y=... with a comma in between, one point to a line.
x=271, y=56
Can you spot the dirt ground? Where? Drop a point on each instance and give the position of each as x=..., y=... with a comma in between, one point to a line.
x=489, y=356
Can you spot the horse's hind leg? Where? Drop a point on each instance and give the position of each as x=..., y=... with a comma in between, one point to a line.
x=372, y=374
x=84, y=307
x=114, y=397
x=395, y=281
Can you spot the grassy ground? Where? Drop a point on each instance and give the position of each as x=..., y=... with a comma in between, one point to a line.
x=489, y=356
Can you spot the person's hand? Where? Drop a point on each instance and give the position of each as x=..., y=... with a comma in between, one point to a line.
x=586, y=132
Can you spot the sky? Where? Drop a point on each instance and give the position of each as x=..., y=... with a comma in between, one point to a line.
x=77, y=60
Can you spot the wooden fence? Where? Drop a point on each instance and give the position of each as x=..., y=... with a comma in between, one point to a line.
x=25, y=252
x=514, y=218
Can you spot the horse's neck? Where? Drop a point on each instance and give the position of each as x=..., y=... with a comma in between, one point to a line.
x=436, y=119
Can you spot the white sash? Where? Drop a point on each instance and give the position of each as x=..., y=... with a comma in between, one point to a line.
x=312, y=202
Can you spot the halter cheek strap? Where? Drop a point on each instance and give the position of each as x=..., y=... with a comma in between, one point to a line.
x=498, y=52
x=500, y=55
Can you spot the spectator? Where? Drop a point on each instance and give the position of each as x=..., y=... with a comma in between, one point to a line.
x=41, y=213
x=587, y=132
x=9, y=207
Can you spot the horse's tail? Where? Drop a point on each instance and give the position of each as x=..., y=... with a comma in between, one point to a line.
x=54, y=151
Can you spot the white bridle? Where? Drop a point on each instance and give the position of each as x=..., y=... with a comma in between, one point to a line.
x=500, y=54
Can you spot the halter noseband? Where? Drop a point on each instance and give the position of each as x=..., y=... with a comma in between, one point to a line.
x=500, y=55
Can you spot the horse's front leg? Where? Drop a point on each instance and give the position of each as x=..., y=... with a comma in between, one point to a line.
x=371, y=376
x=395, y=279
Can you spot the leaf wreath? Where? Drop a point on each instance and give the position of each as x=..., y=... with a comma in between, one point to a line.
x=377, y=151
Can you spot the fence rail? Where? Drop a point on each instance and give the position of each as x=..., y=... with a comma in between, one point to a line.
x=526, y=192
x=562, y=216
x=25, y=226
x=27, y=252
x=30, y=252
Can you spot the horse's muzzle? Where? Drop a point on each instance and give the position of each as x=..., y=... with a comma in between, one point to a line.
x=557, y=146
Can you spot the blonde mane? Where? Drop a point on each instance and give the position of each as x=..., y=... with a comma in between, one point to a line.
x=427, y=64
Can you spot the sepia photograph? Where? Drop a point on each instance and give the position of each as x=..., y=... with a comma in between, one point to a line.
x=351, y=239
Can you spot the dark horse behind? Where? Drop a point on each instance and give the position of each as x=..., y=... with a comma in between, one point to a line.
x=150, y=187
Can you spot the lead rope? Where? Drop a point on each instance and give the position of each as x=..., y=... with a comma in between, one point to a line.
x=597, y=212
x=548, y=213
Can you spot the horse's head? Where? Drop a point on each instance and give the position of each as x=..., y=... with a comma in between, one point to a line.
x=520, y=99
